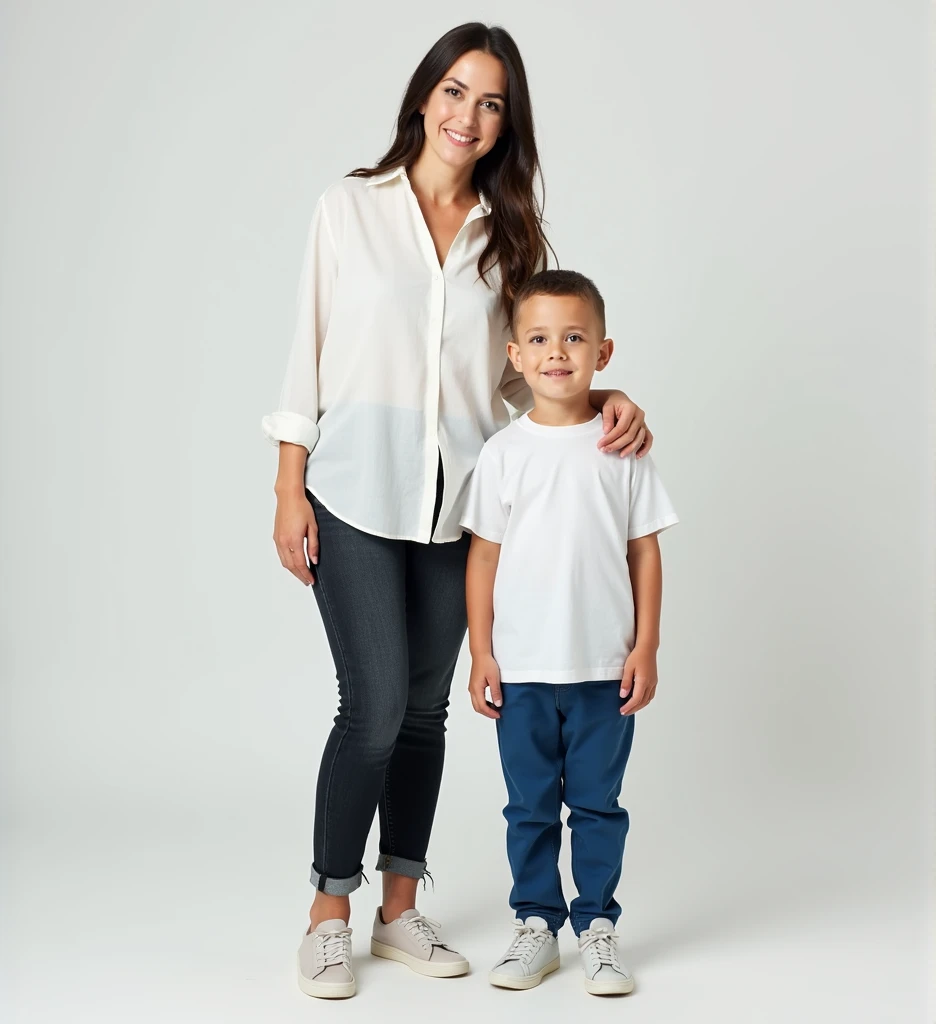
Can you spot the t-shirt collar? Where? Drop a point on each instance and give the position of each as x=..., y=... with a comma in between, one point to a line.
x=575, y=430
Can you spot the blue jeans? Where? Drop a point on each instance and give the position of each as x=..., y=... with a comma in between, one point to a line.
x=566, y=743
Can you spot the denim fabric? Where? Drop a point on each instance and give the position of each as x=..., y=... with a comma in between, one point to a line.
x=567, y=744
x=394, y=614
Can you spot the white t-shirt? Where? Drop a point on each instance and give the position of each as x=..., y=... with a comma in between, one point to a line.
x=563, y=512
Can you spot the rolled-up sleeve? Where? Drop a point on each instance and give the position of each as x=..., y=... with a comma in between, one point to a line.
x=296, y=419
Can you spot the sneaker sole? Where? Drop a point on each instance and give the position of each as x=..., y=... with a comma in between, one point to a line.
x=424, y=967
x=320, y=990
x=508, y=981
x=609, y=988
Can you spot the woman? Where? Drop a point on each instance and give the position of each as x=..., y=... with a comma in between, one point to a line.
x=397, y=375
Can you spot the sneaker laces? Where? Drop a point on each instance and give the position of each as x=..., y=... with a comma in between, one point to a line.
x=527, y=942
x=335, y=947
x=602, y=948
x=422, y=927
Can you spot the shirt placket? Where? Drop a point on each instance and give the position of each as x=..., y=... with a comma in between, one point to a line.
x=431, y=454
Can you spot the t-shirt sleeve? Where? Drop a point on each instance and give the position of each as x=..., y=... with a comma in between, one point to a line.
x=651, y=510
x=485, y=512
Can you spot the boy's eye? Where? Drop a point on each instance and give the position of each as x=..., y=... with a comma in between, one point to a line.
x=574, y=337
x=537, y=339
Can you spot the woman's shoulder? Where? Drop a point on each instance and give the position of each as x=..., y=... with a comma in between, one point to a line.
x=340, y=191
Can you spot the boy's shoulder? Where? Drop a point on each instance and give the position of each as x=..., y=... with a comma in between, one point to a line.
x=506, y=437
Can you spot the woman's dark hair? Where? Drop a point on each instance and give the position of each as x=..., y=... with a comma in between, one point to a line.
x=505, y=175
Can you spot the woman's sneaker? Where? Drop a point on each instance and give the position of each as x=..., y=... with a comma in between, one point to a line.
x=532, y=955
x=414, y=940
x=605, y=975
x=325, y=961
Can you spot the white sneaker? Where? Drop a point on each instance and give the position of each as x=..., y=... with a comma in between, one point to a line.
x=605, y=975
x=413, y=939
x=324, y=961
x=532, y=955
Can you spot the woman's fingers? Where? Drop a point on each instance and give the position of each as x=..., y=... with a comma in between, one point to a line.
x=636, y=444
x=624, y=430
x=647, y=443
x=312, y=543
x=292, y=556
x=629, y=421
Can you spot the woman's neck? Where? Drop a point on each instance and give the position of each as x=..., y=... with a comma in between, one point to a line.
x=439, y=184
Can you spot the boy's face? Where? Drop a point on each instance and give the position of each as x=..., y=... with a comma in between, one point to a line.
x=558, y=345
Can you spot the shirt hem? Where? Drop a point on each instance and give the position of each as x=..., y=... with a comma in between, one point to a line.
x=379, y=533
x=584, y=675
x=657, y=526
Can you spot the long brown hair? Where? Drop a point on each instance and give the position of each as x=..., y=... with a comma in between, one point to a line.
x=505, y=175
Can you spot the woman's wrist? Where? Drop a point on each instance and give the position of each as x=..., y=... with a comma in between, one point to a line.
x=288, y=489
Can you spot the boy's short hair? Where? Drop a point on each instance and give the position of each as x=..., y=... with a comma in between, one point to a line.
x=559, y=282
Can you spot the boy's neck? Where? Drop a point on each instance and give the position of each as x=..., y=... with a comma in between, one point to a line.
x=569, y=412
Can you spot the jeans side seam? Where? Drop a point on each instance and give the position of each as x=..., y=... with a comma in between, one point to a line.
x=331, y=769
x=390, y=835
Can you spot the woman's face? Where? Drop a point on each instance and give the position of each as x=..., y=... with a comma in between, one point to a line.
x=466, y=112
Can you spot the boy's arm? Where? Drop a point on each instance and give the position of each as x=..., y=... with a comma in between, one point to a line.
x=646, y=573
x=479, y=595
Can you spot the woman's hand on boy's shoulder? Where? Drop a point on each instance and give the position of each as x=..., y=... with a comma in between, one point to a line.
x=639, y=682
x=625, y=431
x=485, y=674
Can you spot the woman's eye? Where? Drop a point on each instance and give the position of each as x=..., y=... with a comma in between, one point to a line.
x=493, y=107
x=452, y=91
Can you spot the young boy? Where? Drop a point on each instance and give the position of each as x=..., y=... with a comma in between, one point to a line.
x=564, y=588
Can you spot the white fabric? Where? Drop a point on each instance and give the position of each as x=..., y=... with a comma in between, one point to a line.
x=393, y=360
x=562, y=512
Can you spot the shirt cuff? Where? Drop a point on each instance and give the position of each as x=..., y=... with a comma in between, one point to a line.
x=292, y=428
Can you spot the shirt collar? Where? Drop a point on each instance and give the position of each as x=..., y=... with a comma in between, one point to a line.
x=400, y=172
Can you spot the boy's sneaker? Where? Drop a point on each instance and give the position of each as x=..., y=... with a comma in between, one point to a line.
x=414, y=940
x=325, y=961
x=532, y=955
x=605, y=975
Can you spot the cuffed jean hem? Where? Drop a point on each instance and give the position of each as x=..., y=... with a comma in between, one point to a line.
x=401, y=866
x=335, y=886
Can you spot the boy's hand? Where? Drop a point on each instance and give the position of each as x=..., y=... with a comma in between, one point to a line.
x=485, y=673
x=639, y=680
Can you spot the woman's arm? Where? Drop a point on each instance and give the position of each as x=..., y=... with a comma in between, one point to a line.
x=295, y=531
x=294, y=426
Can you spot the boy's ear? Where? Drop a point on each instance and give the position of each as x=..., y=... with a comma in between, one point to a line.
x=513, y=354
x=604, y=353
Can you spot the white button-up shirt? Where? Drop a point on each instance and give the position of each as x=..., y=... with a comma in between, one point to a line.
x=395, y=361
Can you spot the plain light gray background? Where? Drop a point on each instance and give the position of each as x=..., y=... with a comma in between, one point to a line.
x=747, y=182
